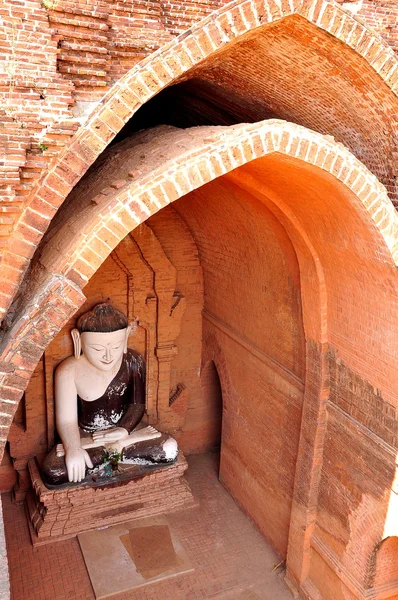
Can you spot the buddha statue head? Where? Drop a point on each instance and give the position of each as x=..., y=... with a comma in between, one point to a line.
x=101, y=335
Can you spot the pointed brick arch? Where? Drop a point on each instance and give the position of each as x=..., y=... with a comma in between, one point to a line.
x=166, y=66
x=105, y=218
x=129, y=202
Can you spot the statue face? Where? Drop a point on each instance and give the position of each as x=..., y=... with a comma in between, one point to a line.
x=103, y=350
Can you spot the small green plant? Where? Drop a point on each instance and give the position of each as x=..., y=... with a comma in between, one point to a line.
x=112, y=457
x=43, y=147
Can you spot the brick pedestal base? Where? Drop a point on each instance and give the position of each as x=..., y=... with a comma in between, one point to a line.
x=62, y=513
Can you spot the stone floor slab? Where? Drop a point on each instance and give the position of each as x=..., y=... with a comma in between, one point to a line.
x=131, y=555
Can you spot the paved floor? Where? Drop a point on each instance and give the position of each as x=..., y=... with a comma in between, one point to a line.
x=231, y=559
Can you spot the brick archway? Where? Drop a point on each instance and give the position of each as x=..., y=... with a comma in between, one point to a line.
x=183, y=161
x=168, y=65
x=108, y=214
x=129, y=202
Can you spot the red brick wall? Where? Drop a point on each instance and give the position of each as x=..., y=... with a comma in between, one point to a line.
x=382, y=16
x=253, y=332
x=387, y=563
x=307, y=235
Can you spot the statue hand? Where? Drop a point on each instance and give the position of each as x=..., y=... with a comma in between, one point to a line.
x=111, y=435
x=76, y=461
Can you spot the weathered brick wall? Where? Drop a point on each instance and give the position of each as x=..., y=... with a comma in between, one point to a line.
x=57, y=52
x=357, y=483
x=382, y=16
x=34, y=97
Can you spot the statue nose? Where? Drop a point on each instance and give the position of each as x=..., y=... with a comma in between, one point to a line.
x=108, y=354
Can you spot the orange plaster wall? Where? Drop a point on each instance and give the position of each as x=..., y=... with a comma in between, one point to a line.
x=253, y=331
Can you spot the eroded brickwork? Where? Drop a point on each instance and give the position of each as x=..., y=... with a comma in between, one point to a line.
x=382, y=16
x=56, y=52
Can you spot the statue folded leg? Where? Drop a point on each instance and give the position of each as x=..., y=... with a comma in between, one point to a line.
x=54, y=468
x=159, y=449
x=163, y=449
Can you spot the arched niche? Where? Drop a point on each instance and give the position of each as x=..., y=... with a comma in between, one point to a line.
x=212, y=404
x=385, y=581
x=325, y=219
x=154, y=276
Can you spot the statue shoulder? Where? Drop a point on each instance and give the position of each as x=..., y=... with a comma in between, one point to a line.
x=66, y=368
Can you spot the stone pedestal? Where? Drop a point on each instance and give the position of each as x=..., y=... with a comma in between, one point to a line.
x=56, y=514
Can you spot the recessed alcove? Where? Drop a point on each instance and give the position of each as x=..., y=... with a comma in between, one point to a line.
x=386, y=567
x=245, y=305
x=197, y=276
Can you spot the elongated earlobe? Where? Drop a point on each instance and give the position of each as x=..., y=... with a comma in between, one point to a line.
x=126, y=341
x=77, y=344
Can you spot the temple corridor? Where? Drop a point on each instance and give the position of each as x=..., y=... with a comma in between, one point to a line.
x=231, y=559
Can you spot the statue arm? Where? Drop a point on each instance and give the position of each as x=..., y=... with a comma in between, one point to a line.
x=136, y=408
x=126, y=425
x=76, y=458
x=132, y=417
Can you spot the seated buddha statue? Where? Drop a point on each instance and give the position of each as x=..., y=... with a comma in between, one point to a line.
x=100, y=402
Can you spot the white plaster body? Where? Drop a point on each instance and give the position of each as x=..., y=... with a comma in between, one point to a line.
x=88, y=376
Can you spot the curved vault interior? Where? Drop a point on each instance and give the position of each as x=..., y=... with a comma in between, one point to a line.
x=326, y=223
x=289, y=70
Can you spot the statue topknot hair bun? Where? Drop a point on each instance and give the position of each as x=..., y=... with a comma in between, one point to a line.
x=103, y=318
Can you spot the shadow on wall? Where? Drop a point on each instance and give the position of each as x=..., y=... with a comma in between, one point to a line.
x=211, y=405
